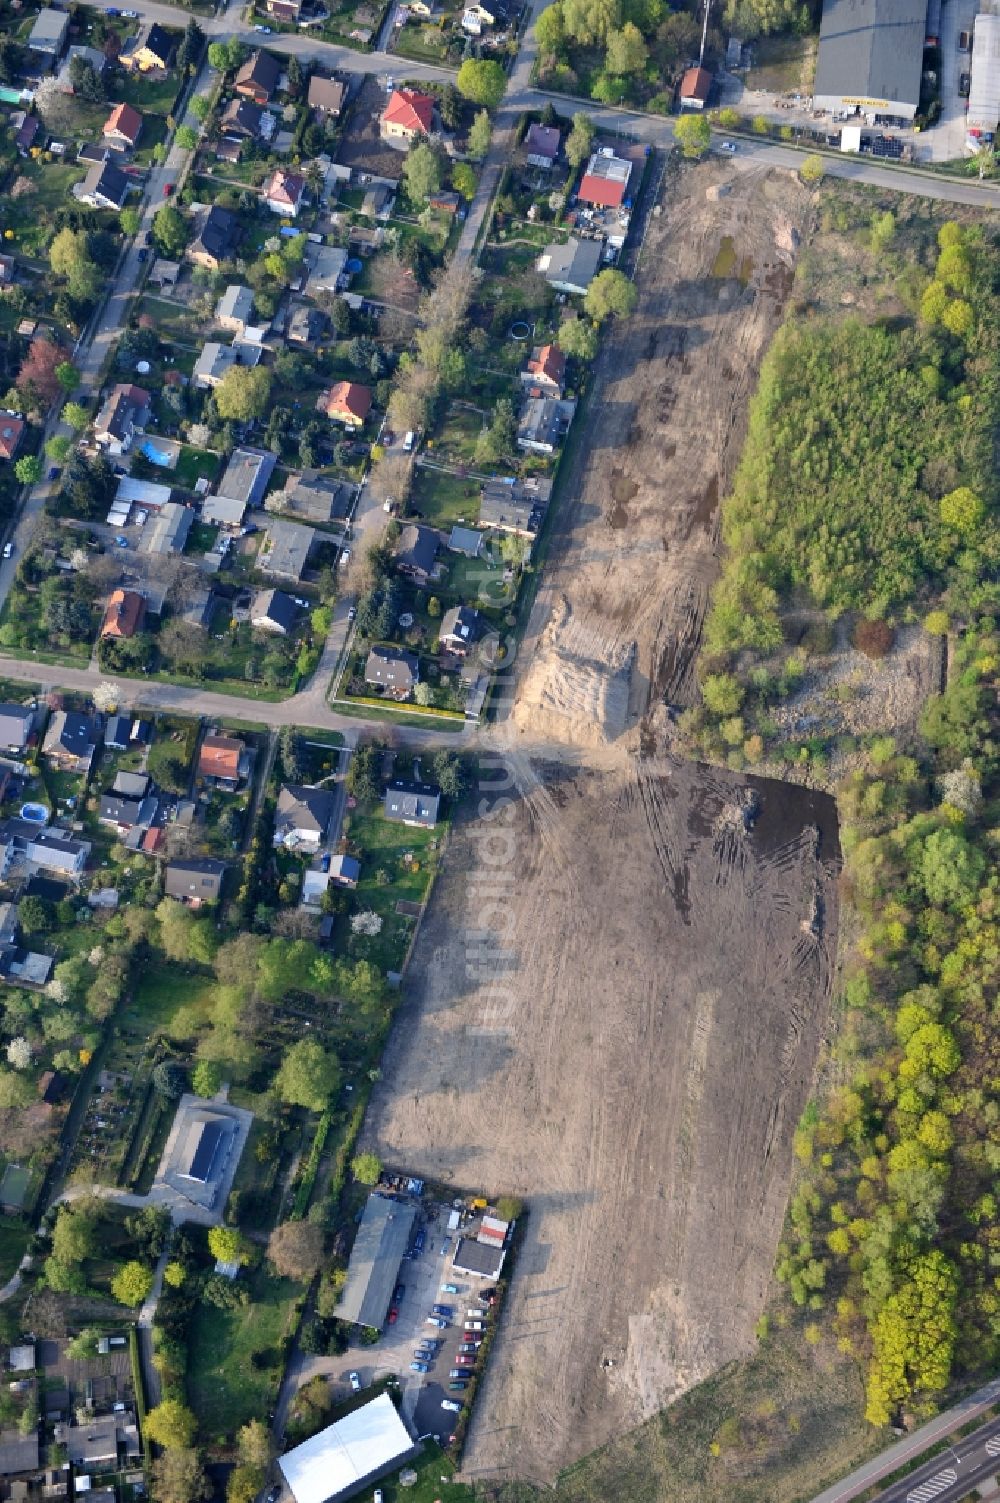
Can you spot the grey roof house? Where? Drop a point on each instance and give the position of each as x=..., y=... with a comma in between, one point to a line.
x=71, y=740
x=246, y=475
x=513, y=505
x=273, y=610
x=410, y=803
x=16, y=725
x=289, y=546
x=383, y=1238
x=167, y=532
x=461, y=628
x=416, y=551
x=303, y=816
x=544, y=424
x=392, y=669
x=105, y=187
x=571, y=267
x=49, y=32
x=195, y=882
x=234, y=310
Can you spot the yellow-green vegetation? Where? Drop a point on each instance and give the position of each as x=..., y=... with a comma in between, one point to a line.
x=866, y=480
x=892, y=1233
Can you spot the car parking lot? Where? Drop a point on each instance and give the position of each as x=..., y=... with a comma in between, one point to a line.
x=421, y=1277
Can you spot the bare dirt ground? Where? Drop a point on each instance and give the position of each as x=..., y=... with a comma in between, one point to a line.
x=617, y=999
x=618, y=1022
x=619, y=614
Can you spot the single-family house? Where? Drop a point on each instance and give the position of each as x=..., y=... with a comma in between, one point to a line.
x=325, y=267
x=571, y=267
x=117, y=734
x=104, y=187
x=416, y=551
x=242, y=118
x=605, y=182
x=214, y=360
x=345, y=871
x=465, y=540
x=234, y=310
x=284, y=192
x=223, y=760
x=125, y=813
x=545, y=373
x=11, y=434
x=479, y=15
x=16, y=725
x=245, y=477
x=125, y=411
x=379, y=202
x=273, y=611
x=194, y=882
x=28, y=129
x=258, y=77
x=71, y=740
x=216, y=239
x=411, y=803
x=18, y=1453
x=542, y=146
x=461, y=628
x=152, y=50
x=123, y=127
x=406, y=116
x=696, y=85
x=285, y=10
x=544, y=424
x=48, y=33
x=515, y=506
x=49, y=849
x=306, y=325
x=326, y=95
x=317, y=497
x=287, y=550
x=392, y=670
x=89, y=55
x=302, y=817
x=123, y=615
x=167, y=532
x=346, y=402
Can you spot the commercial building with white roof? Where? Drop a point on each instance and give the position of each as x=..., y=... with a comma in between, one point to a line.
x=344, y=1457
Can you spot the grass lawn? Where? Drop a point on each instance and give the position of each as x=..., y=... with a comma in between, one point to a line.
x=31, y=217
x=432, y=1468
x=153, y=96
x=455, y=437
x=783, y=64
x=14, y=1236
x=160, y=995
x=173, y=320
x=193, y=465
x=225, y=1388
x=408, y=857
x=442, y=499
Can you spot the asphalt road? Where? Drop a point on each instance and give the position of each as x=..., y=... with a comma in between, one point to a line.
x=971, y=1459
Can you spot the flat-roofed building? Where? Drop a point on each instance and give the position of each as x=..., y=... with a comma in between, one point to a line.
x=870, y=58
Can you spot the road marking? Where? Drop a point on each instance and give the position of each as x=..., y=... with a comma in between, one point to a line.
x=930, y=1489
x=993, y=1446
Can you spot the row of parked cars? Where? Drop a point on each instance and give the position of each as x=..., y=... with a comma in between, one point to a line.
x=442, y=1316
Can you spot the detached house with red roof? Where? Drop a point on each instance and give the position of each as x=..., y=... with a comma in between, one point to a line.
x=11, y=433
x=347, y=402
x=123, y=127
x=696, y=85
x=545, y=374
x=406, y=116
x=124, y=614
x=284, y=193
x=605, y=181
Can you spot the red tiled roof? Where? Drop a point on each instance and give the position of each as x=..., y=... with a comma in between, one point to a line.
x=696, y=84
x=124, y=613
x=220, y=757
x=409, y=110
x=152, y=840
x=285, y=187
x=551, y=363
x=349, y=399
x=125, y=121
x=11, y=430
x=604, y=191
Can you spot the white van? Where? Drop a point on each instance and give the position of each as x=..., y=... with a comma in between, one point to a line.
x=408, y=440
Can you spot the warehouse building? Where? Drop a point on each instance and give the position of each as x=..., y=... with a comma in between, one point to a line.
x=382, y=1240
x=870, y=59
x=984, y=89
x=342, y=1459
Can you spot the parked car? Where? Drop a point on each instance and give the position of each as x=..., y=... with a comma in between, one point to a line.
x=143, y=254
x=474, y=1325
x=352, y=614
x=168, y=188
x=729, y=146
x=442, y=1310
x=458, y=1387
x=474, y=1314
x=419, y=1243
x=449, y=1288
x=465, y=1361
x=435, y=1320
x=419, y=1367
x=273, y=1493
x=324, y=866
x=356, y=1382
x=964, y=85
x=377, y=1496
x=393, y=1315
x=8, y=550
x=469, y=1347
x=451, y=1405
x=425, y=1354
x=400, y=1289
x=121, y=542
x=456, y=1372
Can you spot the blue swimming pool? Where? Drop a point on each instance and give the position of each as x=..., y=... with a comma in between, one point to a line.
x=155, y=455
x=35, y=814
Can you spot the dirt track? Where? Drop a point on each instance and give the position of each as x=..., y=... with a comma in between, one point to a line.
x=616, y=1002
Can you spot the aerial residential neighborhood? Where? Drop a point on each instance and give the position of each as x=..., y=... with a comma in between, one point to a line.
x=498, y=780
